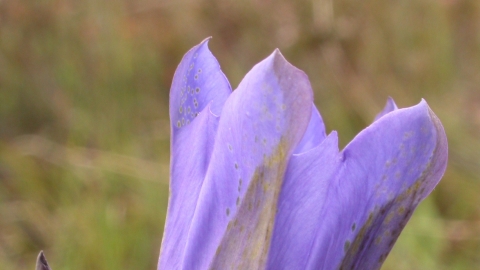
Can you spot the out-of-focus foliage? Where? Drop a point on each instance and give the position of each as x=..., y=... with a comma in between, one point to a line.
x=84, y=137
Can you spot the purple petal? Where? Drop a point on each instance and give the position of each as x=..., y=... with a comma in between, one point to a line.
x=314, y=134
x=389, y=107
x=347, y=209
x=300, y=204
x=198, y=86
x=198, y=81
x=385, y=172
x=261, y=124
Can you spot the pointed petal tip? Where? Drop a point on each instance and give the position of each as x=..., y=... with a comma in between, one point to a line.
x=42, y=263
x=205, y=41
x=284, y=68
x=277, y=56
x=40, y=255
x=434, y=118
x=198, y=80
x=277, y=52
x=424, y=105
x=202, y=44
x=287, y=72
x=333, y=139
x=333, y=136
x=391, y=101
x=389, y=107
x=334, y=133
x=436, y=122
x=330, y=139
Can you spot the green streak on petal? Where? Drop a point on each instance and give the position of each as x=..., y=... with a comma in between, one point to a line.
x=247, y=239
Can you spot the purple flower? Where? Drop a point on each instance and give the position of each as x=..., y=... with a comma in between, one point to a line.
x=257, y=184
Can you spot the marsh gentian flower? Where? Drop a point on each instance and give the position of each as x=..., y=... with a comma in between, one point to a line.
x=257, y=184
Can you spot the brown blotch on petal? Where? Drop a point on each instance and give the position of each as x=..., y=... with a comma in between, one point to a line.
x=249, y=243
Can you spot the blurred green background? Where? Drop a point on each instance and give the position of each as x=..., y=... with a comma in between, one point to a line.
x=84, y=133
